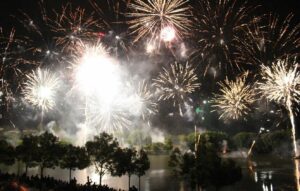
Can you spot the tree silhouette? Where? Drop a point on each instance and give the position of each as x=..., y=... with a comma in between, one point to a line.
x=101, y=151
x=6, y=153
x=74, y=158
x=48, y=152
x=175, y=161
x=27, y=151
x=142, y=164
x=124, y=163
x=204, y=167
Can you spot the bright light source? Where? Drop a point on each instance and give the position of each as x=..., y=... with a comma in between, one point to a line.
x=44, y=92
x=150, y=47
x=167, y=34
x=98, y=73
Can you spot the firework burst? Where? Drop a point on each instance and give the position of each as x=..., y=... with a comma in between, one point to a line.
x=235, y=98
x=5, y=59
x=94, y=68
x=11, y=68
x=145, y=100
x=176, y=84
x=153, y=17
x=107, y=116
x=265, y=43
x=71, y=26
x=36, y=45
x=281, y=84
x=220, y=26
x=115, y=28
x=41, y=88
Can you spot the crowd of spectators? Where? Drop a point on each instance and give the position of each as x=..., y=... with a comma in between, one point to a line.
x=11, y=182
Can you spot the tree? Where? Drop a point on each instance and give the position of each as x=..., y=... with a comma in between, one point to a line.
x=101, y=151
x=6, y=153
x=215, y=138
x=74, y=158
x=27, y=151
x=48, y=151
x=244, y=139
x=124, y=163
x=204, y=167
x=175, y=160
x=142, y=164
x=227, y=174
x=168, y=144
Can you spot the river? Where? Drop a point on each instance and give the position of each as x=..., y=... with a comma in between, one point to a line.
x=270, y=174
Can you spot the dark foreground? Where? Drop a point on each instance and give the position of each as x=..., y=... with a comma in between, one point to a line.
x=10, y=182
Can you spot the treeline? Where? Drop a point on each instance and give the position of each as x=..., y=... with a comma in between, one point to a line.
x=203, y=167
x=276, y=142
x=103, y=152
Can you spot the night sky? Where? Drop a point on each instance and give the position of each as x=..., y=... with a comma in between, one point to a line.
x=9, y=7
x=12, y=7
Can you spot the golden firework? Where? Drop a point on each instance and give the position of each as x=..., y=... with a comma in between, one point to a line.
x=177, y=83
x=150, y=17
x=71, y=26
x=234, y=99
x=281, y=83
x=146, y=101
x=41, y=88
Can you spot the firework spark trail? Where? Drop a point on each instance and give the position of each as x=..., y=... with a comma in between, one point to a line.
x=8, y=55
x=5, y=44
x=111, y=12
x=297, y=175
x=265, y=43
x=40, y=89
x=36, y=45
x=94, y=68
x=53, y=37
x=176, y=84
x=251, y=147
x=148, y=18
x=107, y=116
x=145, y=100
x=281, y=84
x=234, y=99
x=115, y=28
x=98, y=77
x=11, y=67
x=71, y=26
x=220, y=27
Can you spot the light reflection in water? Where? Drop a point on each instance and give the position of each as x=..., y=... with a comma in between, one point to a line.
x=297, y=174
x=255, y=176
x=266, y=177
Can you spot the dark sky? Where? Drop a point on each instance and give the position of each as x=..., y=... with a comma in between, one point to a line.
x=8, y=7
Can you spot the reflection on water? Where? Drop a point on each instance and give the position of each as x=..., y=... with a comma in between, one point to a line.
x=268, y=174
x=266, y=178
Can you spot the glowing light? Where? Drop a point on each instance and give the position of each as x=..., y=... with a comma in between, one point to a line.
x=108, y=98
x=176, y=84
x=73, y=25
x=150, y=47
x=145, y=104
x=97, y=72
x=41, y=88
x=220, y=29
x=109, y=116
x=235, y=98
x=281, y=84
x=278, y=39
x=168, y=34
x=152, y=16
